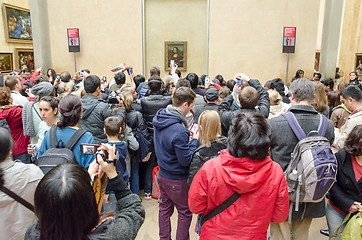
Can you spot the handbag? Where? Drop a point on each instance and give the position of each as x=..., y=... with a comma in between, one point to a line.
x=353, y=229
x=17, y=198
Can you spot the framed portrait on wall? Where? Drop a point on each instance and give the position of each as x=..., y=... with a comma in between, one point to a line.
x=6, y=62
x=17, y=24
x=359, y=63
x=316, y=60
x=24, y=56
x=176, y=51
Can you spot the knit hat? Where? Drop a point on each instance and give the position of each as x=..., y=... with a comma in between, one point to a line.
x=212, y=94
x=42, y=89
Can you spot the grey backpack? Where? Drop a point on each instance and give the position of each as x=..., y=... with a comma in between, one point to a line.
x=312, y=170
x=58, y=154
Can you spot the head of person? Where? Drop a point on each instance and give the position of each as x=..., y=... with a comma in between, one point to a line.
x=351, y=96
x=212, y=95
x=92, y=85
x=51, y=73
x=230, y=84
x=6, y=142
x=249, y=136
x=224, y=92
x=353, y=76
x=5, y=96
x=248, y=97
x=268, y=85
x=194, y=80
x=221, y=79
x=25, y=88
x=183, y=83
x=112, y=126
x=27, y=73
x=353, y=143
x=43, y=89
x=41, y=78
x=301, y=91
x=70, y=108
x=320, y=101
x=127, y=88
x=13, y=83
x=48, y=108
x=340, y=86
x=328, y=84
x=86, y=71
x=65, y=76
x=333, y=99
x=317, y=76
x=175, y=50
x=155, y=71
x=178, y=73
x=155, y=84
x=127, y=99
x=274, y=96
x=299, y=74
x=120, y=78
x=278, y=85
x=183, y=99
x=138, y=79
x=170, y=86
x=209, y=127
x=65, y=204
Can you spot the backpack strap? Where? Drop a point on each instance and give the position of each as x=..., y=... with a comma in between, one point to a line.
x=53, y=141
x=17, y=198
x=227, y=203
x=36, y=111
x=75, y=138
x=293, y=123
x=323, y=124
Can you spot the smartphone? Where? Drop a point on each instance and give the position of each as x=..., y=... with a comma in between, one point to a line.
x=58, y=76
x=88, y=149
x=130, y=71
x=240, y=82
x=81, y=74
x=207, y=80
x=194, y=128
x=104, y=78
x=172, y=62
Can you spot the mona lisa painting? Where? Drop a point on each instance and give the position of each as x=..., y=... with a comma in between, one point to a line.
x=176, y=52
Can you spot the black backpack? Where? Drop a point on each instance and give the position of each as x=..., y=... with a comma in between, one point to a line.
x=56, y=155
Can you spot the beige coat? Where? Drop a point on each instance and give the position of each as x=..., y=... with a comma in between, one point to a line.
x=354, y=119
x=22, y=179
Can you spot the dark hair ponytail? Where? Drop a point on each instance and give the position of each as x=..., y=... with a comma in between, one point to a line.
x=70, y=108
x=6, y=143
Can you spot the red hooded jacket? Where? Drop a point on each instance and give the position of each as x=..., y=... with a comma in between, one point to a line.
x=13, y=116
x=264, y=196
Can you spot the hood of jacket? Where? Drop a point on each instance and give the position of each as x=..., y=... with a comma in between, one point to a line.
x=164, y=119
x=244, y=174
x=89, y=103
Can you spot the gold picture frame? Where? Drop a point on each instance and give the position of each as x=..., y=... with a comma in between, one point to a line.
x=6, y=62
x=358, y=64
x=17, y=24
x=24, y=56
x=176, y=51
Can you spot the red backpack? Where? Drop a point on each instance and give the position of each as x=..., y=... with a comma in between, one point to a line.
x=155, y=187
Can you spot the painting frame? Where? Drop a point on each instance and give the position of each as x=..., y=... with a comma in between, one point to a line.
x=358, y=64
x=5, y=61
x=181, y=54
x=11, y=22
x=30, y=63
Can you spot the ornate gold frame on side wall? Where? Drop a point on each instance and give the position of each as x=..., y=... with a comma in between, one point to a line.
x=24, y=56
x=17, y=24
x=177, y=52
x=6, y=62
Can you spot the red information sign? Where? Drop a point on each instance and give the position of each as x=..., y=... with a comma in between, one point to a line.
x=73, y=32
x=289, y=32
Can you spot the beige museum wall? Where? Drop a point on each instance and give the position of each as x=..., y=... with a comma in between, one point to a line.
x=246, y=36
x=171, y=20
x=110, y=34
x=6, y=47
x=351, y=38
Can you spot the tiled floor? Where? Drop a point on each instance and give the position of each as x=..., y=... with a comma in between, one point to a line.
x=149, y=229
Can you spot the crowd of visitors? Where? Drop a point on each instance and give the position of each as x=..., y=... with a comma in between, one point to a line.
x=211, y=147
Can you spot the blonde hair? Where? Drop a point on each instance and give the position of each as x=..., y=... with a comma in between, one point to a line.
x=209, y=127
x=274, y=96
x=320, y=101
x=127, y=100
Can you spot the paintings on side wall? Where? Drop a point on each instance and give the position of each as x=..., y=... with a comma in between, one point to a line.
x=6, y=62
x=24, y=57
x=358, y=66
x=17, y=24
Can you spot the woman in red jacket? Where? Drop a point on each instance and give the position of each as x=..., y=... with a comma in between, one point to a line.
x=13, y=116
x=244, y=167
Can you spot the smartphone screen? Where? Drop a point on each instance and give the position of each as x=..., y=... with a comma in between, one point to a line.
x=194, y=128
x=58, y=76
x=207, y=80
x=172, y=62
x=130, y=71
x=240, y=82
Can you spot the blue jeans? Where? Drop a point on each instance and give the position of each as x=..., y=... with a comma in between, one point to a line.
x=135, y=178
x=24, y=157
x=148, y=174
x=334, y=220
